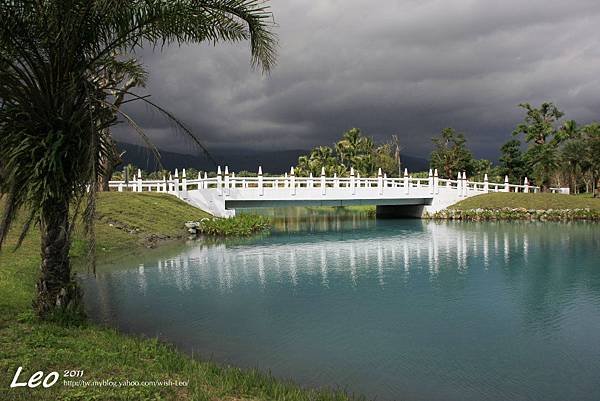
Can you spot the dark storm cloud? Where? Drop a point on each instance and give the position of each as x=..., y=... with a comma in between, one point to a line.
x=404, y=67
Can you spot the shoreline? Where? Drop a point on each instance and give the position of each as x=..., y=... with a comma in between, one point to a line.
x=102, y=352
x=516, y=214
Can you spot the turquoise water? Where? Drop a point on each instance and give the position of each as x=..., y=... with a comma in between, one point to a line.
x=392, y=309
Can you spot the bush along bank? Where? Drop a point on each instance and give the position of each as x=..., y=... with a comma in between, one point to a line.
x=516, y=214
x=238, y=226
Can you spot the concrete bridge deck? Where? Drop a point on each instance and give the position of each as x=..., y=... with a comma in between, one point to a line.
x=222, y=194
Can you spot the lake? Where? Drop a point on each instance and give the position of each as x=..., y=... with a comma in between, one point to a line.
x=391, y=309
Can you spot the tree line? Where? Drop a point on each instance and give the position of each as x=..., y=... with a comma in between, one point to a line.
x=548, y=151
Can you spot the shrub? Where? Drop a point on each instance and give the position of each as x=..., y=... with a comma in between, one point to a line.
x=241, y=225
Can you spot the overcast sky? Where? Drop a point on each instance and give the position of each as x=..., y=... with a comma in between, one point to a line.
x=406, y=67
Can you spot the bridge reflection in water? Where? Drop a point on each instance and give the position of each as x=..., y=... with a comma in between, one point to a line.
x=414, y=309
x=428, y=245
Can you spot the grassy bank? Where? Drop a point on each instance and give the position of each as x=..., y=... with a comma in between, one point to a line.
x=519, y=206
x=127, y=222
x=540, y=201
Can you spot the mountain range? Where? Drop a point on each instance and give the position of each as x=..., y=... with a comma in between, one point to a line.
x=271, y=161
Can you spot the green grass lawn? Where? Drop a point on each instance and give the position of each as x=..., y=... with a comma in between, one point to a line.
x=538, y=201
x=127, y=222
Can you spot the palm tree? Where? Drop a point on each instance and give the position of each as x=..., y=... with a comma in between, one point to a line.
x=321, y=156
x=543, y=160
x=397, y=150
x=349, y=145
x=591, y=135
x=54, y=105
x=123, y=80
x=303, y=167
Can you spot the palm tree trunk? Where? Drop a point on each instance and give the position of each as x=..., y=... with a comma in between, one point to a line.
x=108, y=162
x=56, y=291
x=106, y=175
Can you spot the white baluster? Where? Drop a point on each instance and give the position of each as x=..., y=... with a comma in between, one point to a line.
x=436, y=181
x=486, y=184
x=352, y=183
x=380, y=181
x=406, y=183
x=227, y=179
x=526, y=183
x=261, y=188
x=176, y=178
x=292, y=181
x=322, y=180
x=219, y=181
x=430, y=181
x=506, y=185
x=139, y=183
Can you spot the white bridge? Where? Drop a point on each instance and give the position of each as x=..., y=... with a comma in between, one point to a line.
x=222, y=194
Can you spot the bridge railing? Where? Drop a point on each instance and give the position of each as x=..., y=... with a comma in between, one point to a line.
x=179, y=186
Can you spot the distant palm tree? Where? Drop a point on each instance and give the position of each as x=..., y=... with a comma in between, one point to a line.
x=349, y=145
x=55, y=103
x=321, y=156
x=397, y=149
